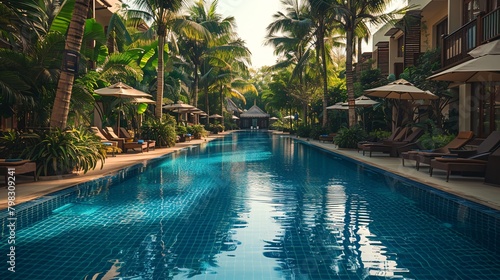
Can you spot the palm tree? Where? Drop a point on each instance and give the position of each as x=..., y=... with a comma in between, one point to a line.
x=303, y=32
x=353, y=17
x=60, y=110
x=321, y=17
x=166, y=21
x=199, y=50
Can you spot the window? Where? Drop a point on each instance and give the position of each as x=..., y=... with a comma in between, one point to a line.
x=485, y=107
x=401, y=46
x=471, y=10
x=441, y=29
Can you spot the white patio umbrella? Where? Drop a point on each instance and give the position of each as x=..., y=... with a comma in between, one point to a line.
x=215, y=116
x=362, y=101
x=402, y=90
x=121, y=90
x=178, y=108
x=338, y=106
x=484, y=67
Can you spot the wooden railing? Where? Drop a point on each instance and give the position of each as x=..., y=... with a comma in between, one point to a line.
x=477, y=32
x=491, y=26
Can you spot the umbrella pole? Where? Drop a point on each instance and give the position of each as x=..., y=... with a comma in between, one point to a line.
x=118, y=122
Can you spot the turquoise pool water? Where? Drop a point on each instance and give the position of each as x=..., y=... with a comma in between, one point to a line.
x=253, y=206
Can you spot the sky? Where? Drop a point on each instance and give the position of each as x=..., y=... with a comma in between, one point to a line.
x=252, y=18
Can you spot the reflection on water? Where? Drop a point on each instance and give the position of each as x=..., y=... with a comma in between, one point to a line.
x=252, y=206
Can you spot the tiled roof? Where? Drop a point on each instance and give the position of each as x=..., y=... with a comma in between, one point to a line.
x=254, y=112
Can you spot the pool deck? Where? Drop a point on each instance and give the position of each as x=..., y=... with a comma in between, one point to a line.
x=471, y=188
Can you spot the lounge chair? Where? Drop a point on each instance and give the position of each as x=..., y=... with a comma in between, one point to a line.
x=111, y=132
x=393, y=147
x=103, y=137
x=19, y=166
x=397, y=135
x=128, y=142
x=151, y=143
x=425, y=156
x=488, y=145
x=327, y=137
x=484, y=164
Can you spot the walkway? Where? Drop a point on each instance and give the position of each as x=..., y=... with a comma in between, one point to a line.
x=471, y=188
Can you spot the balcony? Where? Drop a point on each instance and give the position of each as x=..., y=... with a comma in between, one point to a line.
x=481, y=30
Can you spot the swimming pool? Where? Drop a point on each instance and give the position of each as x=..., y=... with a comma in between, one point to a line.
x=253, y=206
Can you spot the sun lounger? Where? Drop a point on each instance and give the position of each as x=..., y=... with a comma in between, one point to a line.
x=425, y=156
x=129, y=143
x=327, y=137
x=472, y=160
x=393, y=147
x=105, y=138
x=397, y=135
x=19, y=166
x=151, y=143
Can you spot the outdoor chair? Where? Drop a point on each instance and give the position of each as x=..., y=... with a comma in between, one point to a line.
x=397, y=135
x=393, y=147
x=111, y=132
x=20, y=166
x=327, y=137
x=483, y=164
x=104, y=139
x=425, y=156
x=128, y=142
x=126, y=134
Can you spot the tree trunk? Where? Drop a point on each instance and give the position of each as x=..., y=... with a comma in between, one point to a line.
x=324, y=74
x=222, y=104
x=195, y=85
x=60, y=109
x=160, y=81
x=350, y=77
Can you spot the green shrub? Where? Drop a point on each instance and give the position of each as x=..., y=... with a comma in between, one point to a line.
x=429, y=142
x=318, y=130
x=13, y=143
x=230, y=126
x=349, y=137
x=216, y=128
x=197, y=130
x=60, y=152
x=378, y=135
x=162, y=132
x=277, y=125
x=304, y=131
x=181, y=130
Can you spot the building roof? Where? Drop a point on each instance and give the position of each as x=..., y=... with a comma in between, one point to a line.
x=232, y=107
x=254, y=112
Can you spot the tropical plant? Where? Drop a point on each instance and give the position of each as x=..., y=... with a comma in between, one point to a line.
x=166, y=21
x=215, y=128
x=349, y=137
x=197, y=130
x=353, y=18
x=13, y=143
x=58, y=151
x=162, y=131
x=181, y=130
